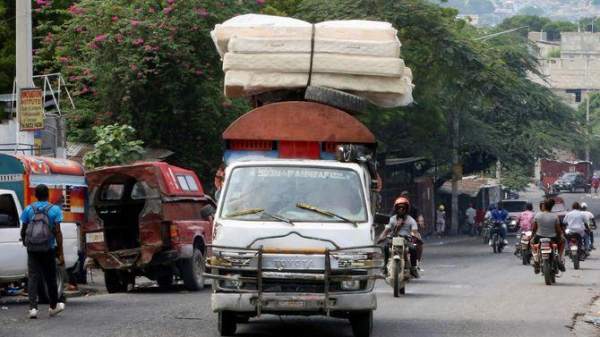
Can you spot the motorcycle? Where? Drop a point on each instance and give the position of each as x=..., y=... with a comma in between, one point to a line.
x=575, y=249
x=549, y=259
x=523, y=249
x=399, y=264
x=496, y=237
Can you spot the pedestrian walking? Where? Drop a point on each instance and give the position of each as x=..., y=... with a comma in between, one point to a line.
x=595, y=184
x=471, y=213
x=440, y=221
x=42, y=236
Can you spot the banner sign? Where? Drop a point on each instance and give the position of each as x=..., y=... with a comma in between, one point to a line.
x=31, y=109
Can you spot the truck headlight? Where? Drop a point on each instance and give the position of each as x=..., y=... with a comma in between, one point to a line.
x=234, y=282
x=350, y=285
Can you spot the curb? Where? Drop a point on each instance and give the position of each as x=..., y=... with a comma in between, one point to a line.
x=6, y=300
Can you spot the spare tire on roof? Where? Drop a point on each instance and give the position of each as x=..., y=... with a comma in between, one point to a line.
x=338, y=99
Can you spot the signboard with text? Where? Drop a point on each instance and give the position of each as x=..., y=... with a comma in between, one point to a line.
x=31, y=109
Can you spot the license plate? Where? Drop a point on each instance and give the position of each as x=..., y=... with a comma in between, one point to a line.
x=291, y=304
x=94, y=237
x=574, y=248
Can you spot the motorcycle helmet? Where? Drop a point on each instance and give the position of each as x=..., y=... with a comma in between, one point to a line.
x=583, y=205
x=442, y=207
x=400, y=201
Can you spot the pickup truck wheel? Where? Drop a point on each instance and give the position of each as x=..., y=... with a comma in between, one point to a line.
x=115, y=281
x=43, y=297
x=362, y=323
x=227, y=323
x=192, y=271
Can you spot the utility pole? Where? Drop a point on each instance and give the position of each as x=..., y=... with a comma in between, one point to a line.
x=587, y=127
x=455, y=170
x=24, y=71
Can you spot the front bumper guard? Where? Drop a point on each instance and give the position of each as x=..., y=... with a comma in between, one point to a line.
x=256, y=300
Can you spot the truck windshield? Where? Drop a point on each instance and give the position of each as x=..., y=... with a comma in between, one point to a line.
x=278, y=190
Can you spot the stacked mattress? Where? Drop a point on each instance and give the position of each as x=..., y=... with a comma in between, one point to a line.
x=265, y=53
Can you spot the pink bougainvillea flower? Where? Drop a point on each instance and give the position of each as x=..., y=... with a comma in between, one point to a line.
x=199, y=72
x=97, y=122
x=150, y=10
x=64, y=59
x=138, y=42
x=226, y=104
x=92, y=76
x=85, y=90
x=114, y=19
x=135, y=23
x=48, y=39
x=79, y=29
x=134, y=66
x=100, y=38
x=167, y=10
x=169, y=53
x=73, y=9
x=140, y=74
x=148, y=48
x=260, y=2
x=171, y=1
x=156, y=48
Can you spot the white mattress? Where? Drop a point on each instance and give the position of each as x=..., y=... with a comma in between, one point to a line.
x=265, y=26
x=322, y=63
x=380, y=90
x=252, y=45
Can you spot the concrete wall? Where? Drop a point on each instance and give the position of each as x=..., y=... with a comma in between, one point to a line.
x=570, y=73
x=580, y=45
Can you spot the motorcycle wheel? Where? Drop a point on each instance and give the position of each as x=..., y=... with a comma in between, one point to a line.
x=500, y=247
x=525, y=257
x=396, y=278
x=575, y=259
x=495, y=243
x=547, y=272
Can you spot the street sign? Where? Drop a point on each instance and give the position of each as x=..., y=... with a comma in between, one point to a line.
x=31, y=109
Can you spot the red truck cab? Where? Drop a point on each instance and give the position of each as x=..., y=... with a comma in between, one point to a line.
x=145, y=220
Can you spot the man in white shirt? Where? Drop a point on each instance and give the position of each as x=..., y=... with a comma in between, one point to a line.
x=470, y=213
x=576, y=223
x=590, y=221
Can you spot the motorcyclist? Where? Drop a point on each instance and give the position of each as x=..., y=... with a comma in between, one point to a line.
x=590, y=221
x=577, y=224
x=402, y=224
x=547, y=225
x=500, y=215
x=416, y=214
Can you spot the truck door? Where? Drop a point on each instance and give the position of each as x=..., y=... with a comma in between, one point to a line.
x=13, y=255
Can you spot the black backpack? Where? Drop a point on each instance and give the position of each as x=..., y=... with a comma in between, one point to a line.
x=38, y=236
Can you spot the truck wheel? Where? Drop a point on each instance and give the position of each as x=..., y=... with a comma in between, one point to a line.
x=339, y=99
x=43, y=297
x=227, y=323
x=116, y=281
x=362, y=323
x=192, y=271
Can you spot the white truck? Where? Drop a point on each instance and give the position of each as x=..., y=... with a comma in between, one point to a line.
x=18, y=177
x=293, y=230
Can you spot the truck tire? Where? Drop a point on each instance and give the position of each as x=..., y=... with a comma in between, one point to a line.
x=192, y=271
x=339, y=99
x=116, y=281
x=362, y=323
x=43, y=297
x=227, y=323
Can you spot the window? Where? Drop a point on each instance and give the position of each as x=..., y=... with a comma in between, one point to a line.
x=112, y=192
x=187, y=183
x=138, y=192
x=577, y=93
x=183, y=183
x=9, y=217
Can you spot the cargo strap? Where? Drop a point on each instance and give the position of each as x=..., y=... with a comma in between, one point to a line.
x=312, y=54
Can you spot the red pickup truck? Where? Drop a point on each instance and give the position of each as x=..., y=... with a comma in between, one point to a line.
x=145, y=220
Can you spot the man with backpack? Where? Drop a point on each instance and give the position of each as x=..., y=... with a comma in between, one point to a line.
x=42, y=236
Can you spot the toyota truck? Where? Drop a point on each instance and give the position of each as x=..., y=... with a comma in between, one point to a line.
x=293, y=230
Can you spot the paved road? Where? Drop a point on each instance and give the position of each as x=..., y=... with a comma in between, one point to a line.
x=466, y=290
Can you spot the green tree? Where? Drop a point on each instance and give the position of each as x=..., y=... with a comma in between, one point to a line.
x=7, y=46
x=151, y=65
x=554, y=28
x=115, y=145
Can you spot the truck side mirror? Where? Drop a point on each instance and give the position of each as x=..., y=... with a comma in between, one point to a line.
x=381, y=218
x=5, y=220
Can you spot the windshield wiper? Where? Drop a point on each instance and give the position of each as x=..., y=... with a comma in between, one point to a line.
x=245, y=212
x=278, y=217
x=324, y=212
x=259, y=210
